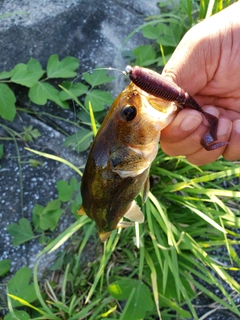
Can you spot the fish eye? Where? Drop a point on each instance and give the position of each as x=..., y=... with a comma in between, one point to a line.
x=129, y=113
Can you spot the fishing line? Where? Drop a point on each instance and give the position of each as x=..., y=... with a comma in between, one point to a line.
x=76, y=100
x=90, y=71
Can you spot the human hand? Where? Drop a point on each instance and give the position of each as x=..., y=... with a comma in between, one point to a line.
x=206, y=64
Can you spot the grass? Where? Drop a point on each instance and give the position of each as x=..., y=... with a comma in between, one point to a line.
x=190, y=222
x=186, y=249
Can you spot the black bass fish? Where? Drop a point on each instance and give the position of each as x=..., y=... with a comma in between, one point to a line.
x=120, y=157
x=126, y=144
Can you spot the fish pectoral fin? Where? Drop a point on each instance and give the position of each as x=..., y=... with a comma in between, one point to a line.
x=123, y=187
x=134, y=213
x=81, y=211
x=124, y=158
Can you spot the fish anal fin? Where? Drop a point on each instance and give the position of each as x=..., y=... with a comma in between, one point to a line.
x=134, y=213
x=124, y=224
x=81, y=211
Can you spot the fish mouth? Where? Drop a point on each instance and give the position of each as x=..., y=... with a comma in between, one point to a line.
x=163, y=106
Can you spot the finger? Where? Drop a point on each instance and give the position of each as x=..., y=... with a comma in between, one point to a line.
x=174, y=135
x=202, y=156
x=232, y=151
x=186, y=121
x=183, y=135
x=189, y=145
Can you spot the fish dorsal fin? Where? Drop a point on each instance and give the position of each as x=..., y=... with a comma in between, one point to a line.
x=134, y=213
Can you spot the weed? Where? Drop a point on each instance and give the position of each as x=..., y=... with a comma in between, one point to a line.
x=185, y=248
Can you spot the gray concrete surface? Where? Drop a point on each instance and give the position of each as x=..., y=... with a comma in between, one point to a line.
x=90, y=30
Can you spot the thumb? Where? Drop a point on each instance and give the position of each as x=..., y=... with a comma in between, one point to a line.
x=186, y=121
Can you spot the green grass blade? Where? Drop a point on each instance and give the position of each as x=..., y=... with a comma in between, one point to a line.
x=122, y=317
x=74, y=98
x=48, y=310
x=205, y=217
x=109, y=248
x=154, y=282
x=64, y=283
x=164, y=222
x=210, y=8
x=64, y=236
x=56, y=158
x=25, y=303
x=93, y=122
x=84, y=313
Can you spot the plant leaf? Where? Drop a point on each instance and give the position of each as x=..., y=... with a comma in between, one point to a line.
x=76, y=89
x=97, y=78
x=79, y=141
x=17, y=315
x=141, y=301
x=21, y=231
x=75, y=205
x=35, y=66
x=5, y=75
x=1, y=151
x=99, y=100
x=27, y=74
x=47, y=217
x=62, y=69
x=42, y=91
x=5, y=266
x=30, y=134
x=145, y=55
x=20, y=287
x=171, y=35
x=7, y=102
x=153, y=32
x=65, y=190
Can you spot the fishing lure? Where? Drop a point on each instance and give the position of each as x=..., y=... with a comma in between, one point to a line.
x=158, y=86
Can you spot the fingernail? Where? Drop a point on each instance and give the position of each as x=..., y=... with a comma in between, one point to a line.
x=236, y=126
x=190, y=123
x=212, y=110
x=223, y=126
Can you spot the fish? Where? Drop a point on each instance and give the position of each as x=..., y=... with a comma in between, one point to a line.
x=117, y=168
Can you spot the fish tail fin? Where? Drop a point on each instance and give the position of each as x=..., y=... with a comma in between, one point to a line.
x=104, y=235
x=123, y=224
x=81, y=211
x=134, y=213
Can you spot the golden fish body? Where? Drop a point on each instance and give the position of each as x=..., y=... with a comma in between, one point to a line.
x=120, y=157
